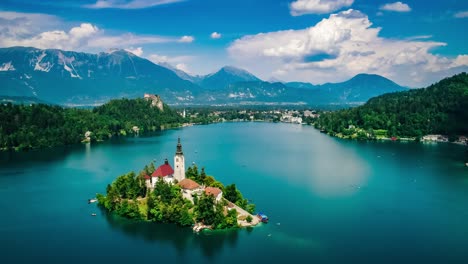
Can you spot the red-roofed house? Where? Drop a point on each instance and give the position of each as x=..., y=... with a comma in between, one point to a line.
x=216, y=192
x=189, y=188
x=189, y=184
x=164, y=171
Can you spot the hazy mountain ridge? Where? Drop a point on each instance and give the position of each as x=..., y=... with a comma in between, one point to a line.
x=226, y=76
x=76, y=78
x=67, y=76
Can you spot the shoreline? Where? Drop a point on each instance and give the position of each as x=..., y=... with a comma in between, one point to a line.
x=400, y=139
x=183, y=125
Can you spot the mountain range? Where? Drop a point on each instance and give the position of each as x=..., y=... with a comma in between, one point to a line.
x=76, y=78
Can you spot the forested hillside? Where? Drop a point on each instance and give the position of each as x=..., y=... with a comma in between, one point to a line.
x=441, y=108
x=40, y=125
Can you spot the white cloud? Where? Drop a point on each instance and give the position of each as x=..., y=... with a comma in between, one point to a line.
x=16, y=24
x=134, y=4
x=460, y=60
x=46, y=31
x=302, y=7
x=396, y=7
x=215, y=35
x=461, y=14
x=177, y=62
x=126, y=40
x=186, y=39
x=419, y=37
x=158, y=58
x=339, y=47
x=183, y=67
x=138, y=51
x=74, y=38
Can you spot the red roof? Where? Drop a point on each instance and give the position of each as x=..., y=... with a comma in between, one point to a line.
x=188, y=184
x=212, y=191
x=163, y=171
x=147, y=177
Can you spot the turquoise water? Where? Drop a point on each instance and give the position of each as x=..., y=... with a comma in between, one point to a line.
x=329, y=200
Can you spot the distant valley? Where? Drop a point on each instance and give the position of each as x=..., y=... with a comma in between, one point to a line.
x=75, y=78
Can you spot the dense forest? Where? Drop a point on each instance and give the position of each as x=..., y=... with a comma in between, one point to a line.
x=39, y=125
x=441, y=108
x=128, y=197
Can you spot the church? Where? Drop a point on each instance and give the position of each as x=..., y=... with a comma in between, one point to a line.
x=166, y=172
x=176, y=175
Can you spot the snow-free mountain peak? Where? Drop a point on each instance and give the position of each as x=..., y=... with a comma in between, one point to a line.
x=226, y=76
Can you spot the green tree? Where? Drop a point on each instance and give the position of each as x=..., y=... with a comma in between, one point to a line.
x=202, y=176
x=249, y=219
x=185, y=218
x=205, y=211
x=231, y=193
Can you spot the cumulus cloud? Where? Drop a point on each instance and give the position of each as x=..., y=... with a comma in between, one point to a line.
x=461, y=14
x=215, y=35
x=138, y=51
x=60, y=39
x=45, y=31
x=302, y=7
x=156, y=58
x=339, y=47
x=460, y=60
x=396, y=7
x=15, y=24
x=183, y=67
x=186, y=39
x=176, y=62
x=133, y=4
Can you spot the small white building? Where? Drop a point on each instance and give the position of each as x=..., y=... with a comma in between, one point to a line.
x=215, y=192
x=189, y=188
x=436, y=138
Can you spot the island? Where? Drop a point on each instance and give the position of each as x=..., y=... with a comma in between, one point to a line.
x=175, y=195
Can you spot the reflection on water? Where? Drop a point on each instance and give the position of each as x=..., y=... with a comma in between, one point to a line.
x=329, y=200
x=19, y=159
x=182, y=238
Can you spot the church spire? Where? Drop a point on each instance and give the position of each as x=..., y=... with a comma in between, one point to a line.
x=179, y=163
x=179, y=148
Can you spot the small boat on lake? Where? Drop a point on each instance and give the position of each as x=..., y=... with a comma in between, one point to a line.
x=92, y=200
x=93, y=214
x=263, y=217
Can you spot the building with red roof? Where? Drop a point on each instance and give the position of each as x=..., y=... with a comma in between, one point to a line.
x=215, y=192
x=190, y=188
x=163, y=170
x=166, y=172
x=189, y=184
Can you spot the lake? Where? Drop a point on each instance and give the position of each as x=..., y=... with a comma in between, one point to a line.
x=329, y=200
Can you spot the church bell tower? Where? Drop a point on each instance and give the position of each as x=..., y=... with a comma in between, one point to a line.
x=179, y=163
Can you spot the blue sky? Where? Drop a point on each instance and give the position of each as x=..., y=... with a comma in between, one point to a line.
x=411, y=42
